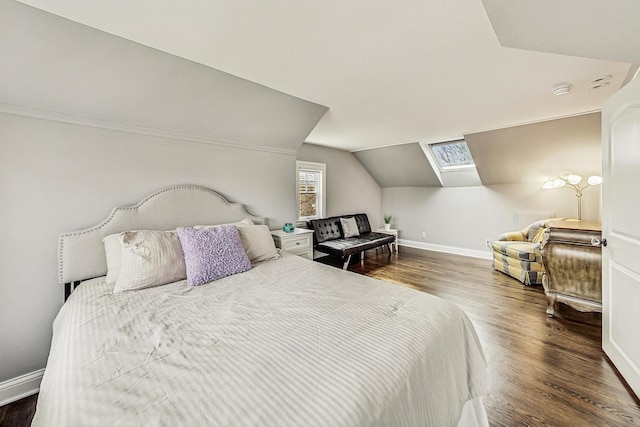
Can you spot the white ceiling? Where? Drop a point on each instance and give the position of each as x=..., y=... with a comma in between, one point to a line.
x=588, y=28
x=390, y=72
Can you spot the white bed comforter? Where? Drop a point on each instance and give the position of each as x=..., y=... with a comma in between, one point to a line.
x=288, y=343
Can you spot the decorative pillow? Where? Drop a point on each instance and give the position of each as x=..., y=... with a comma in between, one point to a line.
x=212, y=253
x=149, y=258
x=257, y=242
x=349, y=227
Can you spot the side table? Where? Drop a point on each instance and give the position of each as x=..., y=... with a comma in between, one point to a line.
x=298, y=242
x=393, y=232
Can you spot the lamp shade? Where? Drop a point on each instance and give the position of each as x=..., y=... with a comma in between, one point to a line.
x=594, y=180
x=554, y=183
x=574, y=179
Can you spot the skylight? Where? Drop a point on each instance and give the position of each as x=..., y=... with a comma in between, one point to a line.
x=452, y=155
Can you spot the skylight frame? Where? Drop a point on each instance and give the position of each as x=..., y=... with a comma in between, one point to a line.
x=464, y=164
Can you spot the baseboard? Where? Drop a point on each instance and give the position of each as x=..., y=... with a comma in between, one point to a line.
x=447, y=249
x=19, y=387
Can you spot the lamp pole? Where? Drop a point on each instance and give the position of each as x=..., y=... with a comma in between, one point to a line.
x=578, y=191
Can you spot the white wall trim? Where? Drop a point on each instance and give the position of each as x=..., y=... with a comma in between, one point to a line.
x=448, y=249
x=19, y=387
x=53, y=116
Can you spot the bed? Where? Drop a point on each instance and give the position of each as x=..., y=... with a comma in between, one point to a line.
x=289, y=342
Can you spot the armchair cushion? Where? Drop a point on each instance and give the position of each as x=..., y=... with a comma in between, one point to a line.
x=525, y=251
x=513, y=236
x=517, y=253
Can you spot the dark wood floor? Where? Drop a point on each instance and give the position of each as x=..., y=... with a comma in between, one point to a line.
x=18, y=414
x=544, y=371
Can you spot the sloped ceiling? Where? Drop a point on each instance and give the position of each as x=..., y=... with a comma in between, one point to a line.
x=530, y=153
x=399, y=166
x=430, y=71
x=539, y=151
x=52, y=64
x=587, y=28
x=418, y=70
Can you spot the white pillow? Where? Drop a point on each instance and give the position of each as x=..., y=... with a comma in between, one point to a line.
x=113, y=252
x=149, y=258
x=257, y=242
x=349, y=227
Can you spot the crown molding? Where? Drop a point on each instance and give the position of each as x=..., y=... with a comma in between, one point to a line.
x=54, y=116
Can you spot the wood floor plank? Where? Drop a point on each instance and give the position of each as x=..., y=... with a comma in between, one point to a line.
x=19, y=413
x=544, y=371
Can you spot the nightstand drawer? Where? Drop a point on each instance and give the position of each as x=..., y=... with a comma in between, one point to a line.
x=304, y=253
x=298, y=243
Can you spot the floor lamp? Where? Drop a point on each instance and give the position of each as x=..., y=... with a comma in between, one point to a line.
x=573, y=181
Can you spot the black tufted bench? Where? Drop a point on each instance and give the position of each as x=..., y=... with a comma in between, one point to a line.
x=329, y=238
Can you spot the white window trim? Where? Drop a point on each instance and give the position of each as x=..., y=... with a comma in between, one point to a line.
x=455, y=168
x=452, y=176
x=321, y=167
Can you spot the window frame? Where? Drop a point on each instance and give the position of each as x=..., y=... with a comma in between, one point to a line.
x=321, y=194
x=444, y=169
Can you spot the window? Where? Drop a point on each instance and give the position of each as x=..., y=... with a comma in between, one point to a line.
x=452, y=155
x=310, y=190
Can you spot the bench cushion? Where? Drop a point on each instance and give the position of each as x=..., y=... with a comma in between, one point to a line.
x=352, y=245
x=326, y=229
x=363, y=222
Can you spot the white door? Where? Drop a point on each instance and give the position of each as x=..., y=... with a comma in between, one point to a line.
x=621, y=229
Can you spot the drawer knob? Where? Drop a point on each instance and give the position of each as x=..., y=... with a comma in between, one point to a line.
x=297, y=243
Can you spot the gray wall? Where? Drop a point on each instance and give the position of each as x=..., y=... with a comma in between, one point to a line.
x=464, y=217
x=513, y=164
x=538, y=151
x=112, y=121
x=52, y=64
x=57, y=177
x=350, y=188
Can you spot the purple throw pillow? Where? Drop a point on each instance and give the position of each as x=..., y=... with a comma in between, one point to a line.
x=212, y=253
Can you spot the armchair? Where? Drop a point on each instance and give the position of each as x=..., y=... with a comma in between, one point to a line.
x=517, y=253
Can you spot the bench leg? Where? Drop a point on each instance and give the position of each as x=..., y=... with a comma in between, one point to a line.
x=389, y=248
x=346, y=263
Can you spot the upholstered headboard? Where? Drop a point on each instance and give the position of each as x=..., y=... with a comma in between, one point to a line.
x=81, y=253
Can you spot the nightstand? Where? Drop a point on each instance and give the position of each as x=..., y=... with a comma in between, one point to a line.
x=393, y=232
x=298, y=242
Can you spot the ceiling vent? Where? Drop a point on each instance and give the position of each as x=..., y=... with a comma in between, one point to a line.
x=600, y=82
